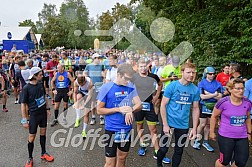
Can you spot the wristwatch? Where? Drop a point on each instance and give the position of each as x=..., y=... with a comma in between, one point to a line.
x=23, y=121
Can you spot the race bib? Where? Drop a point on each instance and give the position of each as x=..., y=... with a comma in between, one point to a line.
x=122, y=137
x=238, y=120
x=61, y=85
x=205, y=110
x=146, y=106
x=40, y=101
x=183, y=98
x=97, y=86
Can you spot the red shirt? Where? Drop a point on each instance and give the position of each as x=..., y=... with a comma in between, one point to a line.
x=223, y=78
x=51, y=65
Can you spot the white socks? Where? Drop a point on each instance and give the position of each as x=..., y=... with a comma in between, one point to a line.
x=78, y=113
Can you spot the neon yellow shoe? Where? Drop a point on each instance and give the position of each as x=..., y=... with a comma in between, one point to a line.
x=83, y=134
x=71, y=101
x=77, y=123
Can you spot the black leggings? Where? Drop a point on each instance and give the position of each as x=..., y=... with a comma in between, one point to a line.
x=233, y=149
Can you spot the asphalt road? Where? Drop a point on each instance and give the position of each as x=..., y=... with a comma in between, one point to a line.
x=69, y=150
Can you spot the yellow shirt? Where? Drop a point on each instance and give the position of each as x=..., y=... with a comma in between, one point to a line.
x=167, y=71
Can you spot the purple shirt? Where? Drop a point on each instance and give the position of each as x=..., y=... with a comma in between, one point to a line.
x=233, y=118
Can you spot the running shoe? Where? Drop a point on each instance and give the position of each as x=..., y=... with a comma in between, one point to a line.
x=196, y=145
x=92, y=122
x=142, y=151
x=29, y=162
x=55, y=122
x=101, y=121
x=165, y=159
x=208, y=147
x=47, y=157
x=5, y=110
x=83, y=134
x=16, y=102
x=48, y=96
x=77, y=123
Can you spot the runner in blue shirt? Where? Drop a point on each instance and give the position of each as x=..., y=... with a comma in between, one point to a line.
x=175, y=112
x=118, y=100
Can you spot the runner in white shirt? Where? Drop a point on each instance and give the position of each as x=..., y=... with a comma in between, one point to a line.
x=82, y=100
x=111, y=73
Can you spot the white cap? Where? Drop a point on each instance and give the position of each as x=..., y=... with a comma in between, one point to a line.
x=95, y=55
x=34, y=70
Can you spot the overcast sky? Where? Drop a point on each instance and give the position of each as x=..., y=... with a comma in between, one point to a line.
x=14, y=11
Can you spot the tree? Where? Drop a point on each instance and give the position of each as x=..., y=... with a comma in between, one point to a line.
x=220, y=31
x=54, y=33
x=47, y=12
x=29, y=23
x=75, y=16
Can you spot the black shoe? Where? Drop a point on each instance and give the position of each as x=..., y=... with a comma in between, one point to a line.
x=55, y=122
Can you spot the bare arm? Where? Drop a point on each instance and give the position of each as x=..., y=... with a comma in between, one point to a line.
x=213, y=121
x=248, y=124
x=2, y=83
x=160, y=86
x=166, y=79
x=137, y=104
x=24, y=113
x=90, y=92
x=75, y=91
x=195, y=115
x=164, y=102
x=71, y=79
x=208, y=95
x=53, y=81
x=218, y=97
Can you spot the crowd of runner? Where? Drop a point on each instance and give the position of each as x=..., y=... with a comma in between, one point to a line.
x=126, y=87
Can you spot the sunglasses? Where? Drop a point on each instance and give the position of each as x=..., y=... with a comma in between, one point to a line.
x=211, y=73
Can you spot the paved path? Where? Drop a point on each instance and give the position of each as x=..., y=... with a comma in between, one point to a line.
x=70, y=153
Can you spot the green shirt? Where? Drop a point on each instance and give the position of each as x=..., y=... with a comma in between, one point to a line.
x=88, y=61
x=67, y=63
x=167, y=72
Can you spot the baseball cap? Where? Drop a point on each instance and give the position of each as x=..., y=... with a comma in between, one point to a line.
x=34, y=70
x=95, y=55
x=175, y=61
x=209, y=70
